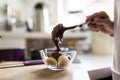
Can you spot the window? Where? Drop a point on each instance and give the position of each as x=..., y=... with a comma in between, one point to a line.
x=75, y=11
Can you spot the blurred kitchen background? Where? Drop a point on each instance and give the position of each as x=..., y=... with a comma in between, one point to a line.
x=26, y=25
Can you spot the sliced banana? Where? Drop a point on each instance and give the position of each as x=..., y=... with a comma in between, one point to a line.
x=62, y=57
x=50, y=61
x=63, y=61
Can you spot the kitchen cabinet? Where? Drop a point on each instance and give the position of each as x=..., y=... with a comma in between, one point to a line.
x=34, y=45
x=35, y=40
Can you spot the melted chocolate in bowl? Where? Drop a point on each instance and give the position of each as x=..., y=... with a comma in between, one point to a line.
x=57, y=37
x=58, y=59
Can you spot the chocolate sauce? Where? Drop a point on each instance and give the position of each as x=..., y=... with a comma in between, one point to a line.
x=57, y=37
x=57, y=34
x=56, y=55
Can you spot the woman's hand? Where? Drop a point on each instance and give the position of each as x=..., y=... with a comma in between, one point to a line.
x=100, y=21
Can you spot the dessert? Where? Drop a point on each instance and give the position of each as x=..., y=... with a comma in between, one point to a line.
x=57, y=58
x=58, y=31
x=51, y=61
x=56, y=55
x=63, y=61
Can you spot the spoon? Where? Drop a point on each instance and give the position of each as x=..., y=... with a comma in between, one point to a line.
x=57, y=33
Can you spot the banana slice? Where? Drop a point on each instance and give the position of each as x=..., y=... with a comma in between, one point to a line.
x=50, y=61
x=63, y=61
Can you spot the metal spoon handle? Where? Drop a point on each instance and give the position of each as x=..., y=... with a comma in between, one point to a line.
x=72, y=27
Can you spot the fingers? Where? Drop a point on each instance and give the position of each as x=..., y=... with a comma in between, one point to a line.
x=93, y=27
x=111, y=35
x=100, y=21
x=101, y=15
x=96, y=28
x=106, y=23
x=103, y=29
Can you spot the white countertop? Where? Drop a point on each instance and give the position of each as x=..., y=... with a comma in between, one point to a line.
x=96, y=61
x=98, y=66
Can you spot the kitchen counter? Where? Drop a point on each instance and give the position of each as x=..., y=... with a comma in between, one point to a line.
x=16, y=40
x=40, y=72
x=92, y=67
x=98, y=66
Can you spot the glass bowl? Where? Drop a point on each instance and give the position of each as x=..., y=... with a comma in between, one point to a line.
x=57, y=60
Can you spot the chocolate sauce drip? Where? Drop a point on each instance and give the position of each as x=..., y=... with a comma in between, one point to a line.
x=56, y=55
x=57, y=34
